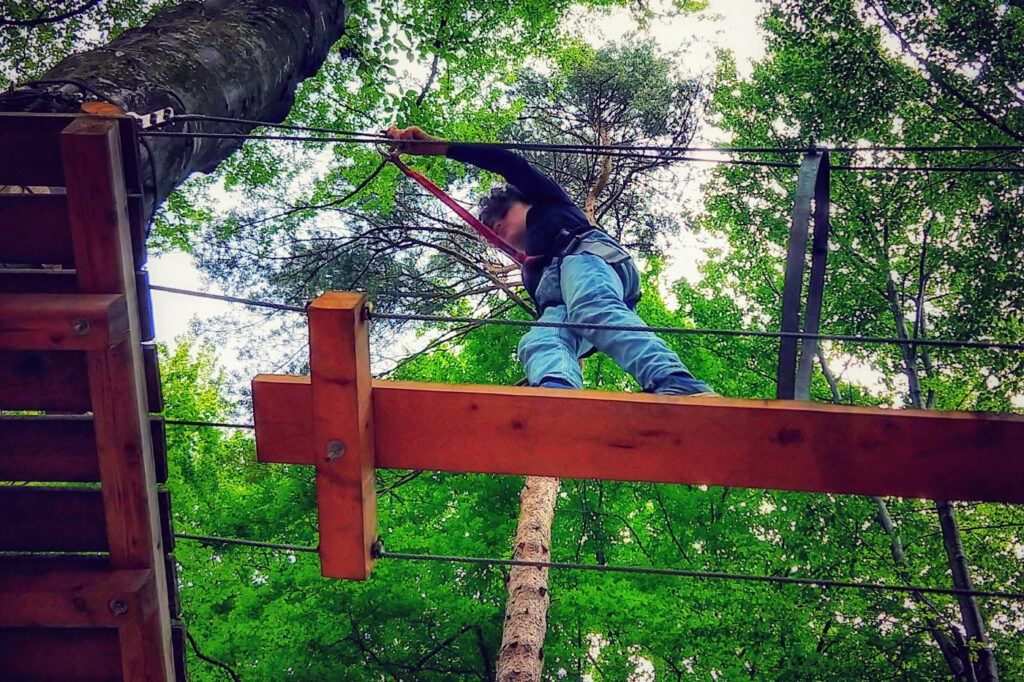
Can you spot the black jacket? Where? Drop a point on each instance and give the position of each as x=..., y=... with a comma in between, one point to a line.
x=553, y=219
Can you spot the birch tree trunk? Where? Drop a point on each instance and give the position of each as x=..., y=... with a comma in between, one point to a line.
x=243, y=61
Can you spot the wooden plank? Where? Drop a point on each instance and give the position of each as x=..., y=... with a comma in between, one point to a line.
x=45, y=449
x=101, y=237
x=64, y=281
x=158, y=436
x=713, y=441
x=69, y=598
x=282, y=409
x=58, y=381
x=61, y=448
x=44, y=380
x=173, y=597
x=639, y=437
x=62, y=322
x=35, y=229
x=44, y=654
x=178, y=643
x=343, y=434
x=147, y=328
x=30, y=149
x=39, y=519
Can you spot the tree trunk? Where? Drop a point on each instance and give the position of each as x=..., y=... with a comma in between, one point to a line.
x=521, y=658
x=984, y=669
x=949, y=648
x=243, y=61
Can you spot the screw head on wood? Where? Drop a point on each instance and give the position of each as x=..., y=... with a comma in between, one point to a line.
x=80, y=326
x=335, y=449
x=117, y=607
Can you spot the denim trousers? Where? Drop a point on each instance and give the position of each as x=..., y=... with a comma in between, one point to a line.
x=585, y=287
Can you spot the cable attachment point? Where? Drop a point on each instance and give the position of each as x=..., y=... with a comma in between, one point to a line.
x=152, y=119
x=377, y=548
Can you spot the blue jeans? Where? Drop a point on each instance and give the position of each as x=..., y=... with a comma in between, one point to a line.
x=585, y=287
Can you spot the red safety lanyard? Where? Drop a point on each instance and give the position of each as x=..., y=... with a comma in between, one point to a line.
x=474, y=222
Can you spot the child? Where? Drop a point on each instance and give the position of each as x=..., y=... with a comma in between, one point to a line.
x=580, y=274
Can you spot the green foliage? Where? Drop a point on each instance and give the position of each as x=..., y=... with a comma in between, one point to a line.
x=926, y=254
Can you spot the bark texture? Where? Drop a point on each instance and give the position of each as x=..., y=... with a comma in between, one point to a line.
x=243, y=61
x=521, y=658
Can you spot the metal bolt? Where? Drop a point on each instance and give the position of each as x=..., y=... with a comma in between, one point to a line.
x=335, y=449
x=80, y=326
x=367, y=312
x=117, y=607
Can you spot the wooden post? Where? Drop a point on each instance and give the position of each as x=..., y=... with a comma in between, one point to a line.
x=339, y=361
x=101, y=239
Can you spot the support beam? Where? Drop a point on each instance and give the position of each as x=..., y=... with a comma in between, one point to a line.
x=68, y=598
x=104, y=264
x=346, y=425
x=62, y=322
x=662, y=439
x=342, y=439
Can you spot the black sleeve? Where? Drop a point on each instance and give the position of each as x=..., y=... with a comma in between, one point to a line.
x=535, y=186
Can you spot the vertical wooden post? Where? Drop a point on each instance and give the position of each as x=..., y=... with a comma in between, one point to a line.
x=339, y=361
x=104, y=264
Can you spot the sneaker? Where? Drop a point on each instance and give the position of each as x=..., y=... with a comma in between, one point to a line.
x=683, y=384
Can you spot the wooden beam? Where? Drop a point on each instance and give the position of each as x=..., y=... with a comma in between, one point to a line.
x=282, y=408
x=44, y=654
x=43, y=519
x=58, y=380
x=31, y=150
x=101, y=236
x=339, y=359
x=641, y=437
x=62, y=322
x=68, y=598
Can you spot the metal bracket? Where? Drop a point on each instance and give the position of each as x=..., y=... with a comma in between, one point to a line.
x=153, y=119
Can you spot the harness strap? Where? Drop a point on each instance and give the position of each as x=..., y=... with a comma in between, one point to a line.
x=474, y=222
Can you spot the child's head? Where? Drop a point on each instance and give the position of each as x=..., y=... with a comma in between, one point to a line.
x=504, y=210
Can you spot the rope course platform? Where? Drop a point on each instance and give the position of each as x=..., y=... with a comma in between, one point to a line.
x=347, y=424
x=87, y=585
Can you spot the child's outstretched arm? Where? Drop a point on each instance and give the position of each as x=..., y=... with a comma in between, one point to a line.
x=534, y=185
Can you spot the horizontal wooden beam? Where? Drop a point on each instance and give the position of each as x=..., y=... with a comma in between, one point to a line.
x=68, y=598
x=62, y=322
x=58, y=380
x=45, y=654
x=781, y=445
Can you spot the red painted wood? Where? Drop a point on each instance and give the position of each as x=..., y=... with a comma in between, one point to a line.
x=101, y=236
x=62, y=321
x=639, y=437
x=282, y=409
x=339, y=358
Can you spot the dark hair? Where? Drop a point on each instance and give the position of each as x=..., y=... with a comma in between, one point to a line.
x=495, y=205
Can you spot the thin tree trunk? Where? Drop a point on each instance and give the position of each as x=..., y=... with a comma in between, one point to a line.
x=949, y=648
x=521, y=658
x=984, y=669
x=243, y=61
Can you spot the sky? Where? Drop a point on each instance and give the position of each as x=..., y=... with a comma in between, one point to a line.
x=725, y=24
